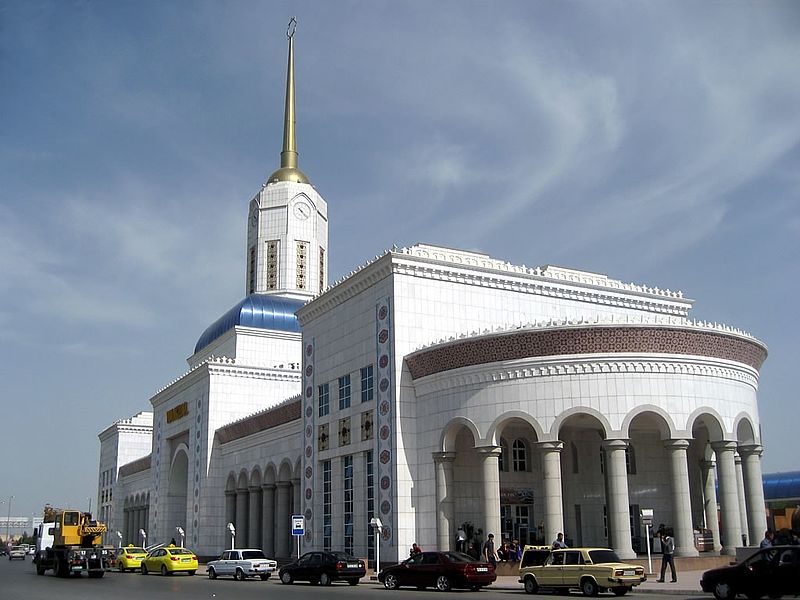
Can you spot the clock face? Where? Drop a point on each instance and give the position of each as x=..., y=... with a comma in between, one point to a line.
x=302, y=210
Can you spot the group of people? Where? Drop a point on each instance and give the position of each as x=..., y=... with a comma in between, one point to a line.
x=779, y=538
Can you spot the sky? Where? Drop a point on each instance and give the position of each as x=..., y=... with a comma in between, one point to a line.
x=656, y=142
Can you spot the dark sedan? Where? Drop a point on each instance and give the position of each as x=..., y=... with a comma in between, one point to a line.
x=443, y=570
x=772, y=572
x=323, y=568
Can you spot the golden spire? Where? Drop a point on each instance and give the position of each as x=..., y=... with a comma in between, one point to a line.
x=289, y=170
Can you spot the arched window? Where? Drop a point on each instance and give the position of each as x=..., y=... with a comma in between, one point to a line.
x=574, y=452
x=519, y=456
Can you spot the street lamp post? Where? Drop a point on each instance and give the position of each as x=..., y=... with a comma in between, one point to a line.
x=8, y=518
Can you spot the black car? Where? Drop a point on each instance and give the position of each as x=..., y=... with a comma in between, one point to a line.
x=442, y=570
x=772, y=572
x=323, y=568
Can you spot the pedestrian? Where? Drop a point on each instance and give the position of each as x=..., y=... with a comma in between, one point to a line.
x=415, y=549
x=559, y=542
x=767, y=541
x=461, y=540
x=667, y=552
x=488, y=550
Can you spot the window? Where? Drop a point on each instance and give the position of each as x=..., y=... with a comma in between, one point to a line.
x=324, y=400
x=347, y=500
x=251, y=283
x=301, y=249
x=272, y=265
x=367, y=384
x=344, y=392
x=602, y=460
x=370, y=472
x=574, y=451
x=344, y=431
x=519, y=456
x=326, y=505
x=321, y=285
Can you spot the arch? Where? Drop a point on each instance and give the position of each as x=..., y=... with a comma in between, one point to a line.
x=298, y=469
x=657, y=417
x=710, y=419
x=178, y=489
x=580, y=413
x=285, y=470
x=241, y=482
x=255, y=477
x=745, y=432
x=447, y=439
x=502, y=421
x=269, y=474
x=230, y=485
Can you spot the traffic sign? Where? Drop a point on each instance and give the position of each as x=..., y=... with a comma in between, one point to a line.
x=298, y=525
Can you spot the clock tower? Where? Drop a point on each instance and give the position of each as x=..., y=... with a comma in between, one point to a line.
x=287, y=224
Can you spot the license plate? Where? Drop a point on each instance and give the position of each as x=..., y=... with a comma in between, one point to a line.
x=352, y=565
x=629, y=572
x=185, y=560
x=482, y=569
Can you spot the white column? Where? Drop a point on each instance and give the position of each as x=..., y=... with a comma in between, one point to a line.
x=729, y=497
x=617, y=501
x=230, y=510
x=282, y=522
x=268, y=518
x=708, y=472
x=737, y=460
x=445, y=506
x=490, y=482
x=241, y=517
x=754, y=491
x=553, y=515
x=681, y=500
x=254, y=517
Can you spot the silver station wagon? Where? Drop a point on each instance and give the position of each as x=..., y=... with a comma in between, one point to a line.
x=241, y=564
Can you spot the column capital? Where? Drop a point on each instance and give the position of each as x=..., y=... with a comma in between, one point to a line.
x=549, y=446
x=284, y=484
x=230, y=492
x=241, y=490
x=748, y=450
x=676, y=444
x=615, y=444
x=708, y=464
x=254, y=488
x=267, y=486
x=724, y=445
x=489, y=451
x=295, y=481
x=442, y=457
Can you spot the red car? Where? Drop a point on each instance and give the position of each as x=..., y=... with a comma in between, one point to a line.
x=443, y=570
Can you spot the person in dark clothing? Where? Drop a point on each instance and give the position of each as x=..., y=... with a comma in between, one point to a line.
x=488, y=550
x=668, y=551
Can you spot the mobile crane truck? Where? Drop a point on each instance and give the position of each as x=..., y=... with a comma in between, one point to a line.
x=76, y=545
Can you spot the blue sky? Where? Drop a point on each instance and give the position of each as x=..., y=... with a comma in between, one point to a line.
x=656, y=142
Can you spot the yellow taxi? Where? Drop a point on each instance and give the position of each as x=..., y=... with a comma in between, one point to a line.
x=129, y=558
x=169, y=560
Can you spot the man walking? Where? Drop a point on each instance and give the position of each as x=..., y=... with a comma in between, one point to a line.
x=668, y=550
x=488, y=550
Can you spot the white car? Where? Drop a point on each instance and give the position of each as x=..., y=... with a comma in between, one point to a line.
x=241, y=564
x=16, y=552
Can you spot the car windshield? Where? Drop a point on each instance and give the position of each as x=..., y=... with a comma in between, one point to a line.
x=251, y=554
x=760, y=557
x=177, y=551
x=20, y=548
x=603, y=556
x=135, y=551
x=459, y=557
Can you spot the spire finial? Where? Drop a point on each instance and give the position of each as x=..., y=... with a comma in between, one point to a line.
x=289, y=170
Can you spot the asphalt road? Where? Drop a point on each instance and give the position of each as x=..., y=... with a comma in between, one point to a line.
x=18, y=581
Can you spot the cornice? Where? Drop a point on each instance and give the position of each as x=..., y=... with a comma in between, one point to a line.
x=481, y=375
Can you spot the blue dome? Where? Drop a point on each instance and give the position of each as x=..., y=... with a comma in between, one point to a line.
x=262, y=311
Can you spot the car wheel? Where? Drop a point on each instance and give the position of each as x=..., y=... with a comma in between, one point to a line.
x=190, y=573
x=474, y=588
x=724, y=591
x=390, y=582
x=352, y=581
x=531, y=587
x=442, y=583
x=324, y=579
x=589, y=587
x=40, y=569
x=212, y=574
x=239, y=575
x=164, y=570
x=144, y=569
x=286, y=577
x=120, y=568
x=264, y=577
x=620, y=591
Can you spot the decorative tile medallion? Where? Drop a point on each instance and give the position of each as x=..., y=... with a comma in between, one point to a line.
x=384, y=442
x=309, y=458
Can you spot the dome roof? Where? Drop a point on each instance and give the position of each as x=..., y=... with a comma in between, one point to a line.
x=262, y=311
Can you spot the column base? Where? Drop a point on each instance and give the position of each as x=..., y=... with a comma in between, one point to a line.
x=688, y=551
